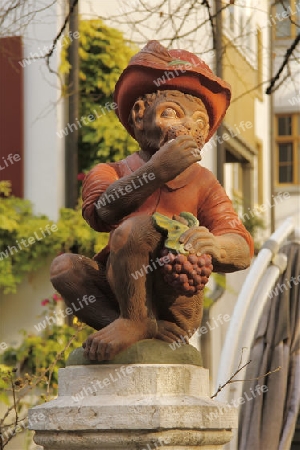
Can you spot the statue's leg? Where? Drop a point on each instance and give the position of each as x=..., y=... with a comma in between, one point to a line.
x=178, y=316
x=85, y=289
x=134, y=245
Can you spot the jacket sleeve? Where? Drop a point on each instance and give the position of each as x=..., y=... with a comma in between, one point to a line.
x=95, y=184
x=216, y=212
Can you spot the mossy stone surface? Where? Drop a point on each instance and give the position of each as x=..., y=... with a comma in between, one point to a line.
x=148, y=351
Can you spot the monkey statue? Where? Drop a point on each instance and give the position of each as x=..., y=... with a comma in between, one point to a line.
x=171, y=103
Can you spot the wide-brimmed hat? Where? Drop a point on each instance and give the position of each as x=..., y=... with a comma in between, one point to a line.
x=156, y=68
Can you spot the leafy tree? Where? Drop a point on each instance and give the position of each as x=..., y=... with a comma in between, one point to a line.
x=29, y=372
x=26, y=240
x=104, y=54
x=37, y=351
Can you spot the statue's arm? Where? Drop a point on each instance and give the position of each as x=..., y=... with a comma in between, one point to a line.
x=230, y=252
x=126, y=194
x=221, y=233
x=108, y=198
x=122, y=196
x=235, y=253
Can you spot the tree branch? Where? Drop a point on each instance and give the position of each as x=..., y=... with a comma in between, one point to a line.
x=288, y=53
x=67, y=18
x=286, y=10
x=231, y=380
x=213, y=30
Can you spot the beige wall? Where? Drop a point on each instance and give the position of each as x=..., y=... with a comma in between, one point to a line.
x=242, y=77
x=20, y=311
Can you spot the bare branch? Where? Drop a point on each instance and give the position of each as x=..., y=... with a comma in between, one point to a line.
x=63, y=27
x=230, y=380
x=206, y=4
x=249, y=91
x=261, y=376
x=287, y=56
x=289, y=16
x=38, y=379
x=182, y=21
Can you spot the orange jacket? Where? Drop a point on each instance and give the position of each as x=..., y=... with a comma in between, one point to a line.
x=196, y=190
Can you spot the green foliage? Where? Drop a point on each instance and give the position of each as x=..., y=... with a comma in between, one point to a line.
x=26, y=239
x=32, y=368
x=254, y=225
x=37, y=352
x=5, y=188
x=252, y=222
x=104, y=54
x=4, y=373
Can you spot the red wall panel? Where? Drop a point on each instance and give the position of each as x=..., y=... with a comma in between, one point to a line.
x=12, y=114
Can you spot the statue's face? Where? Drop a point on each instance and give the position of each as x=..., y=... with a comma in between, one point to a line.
x=169, y=116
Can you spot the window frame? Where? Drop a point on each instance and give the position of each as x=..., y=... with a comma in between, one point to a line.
x=293, y=27
x=294, y=138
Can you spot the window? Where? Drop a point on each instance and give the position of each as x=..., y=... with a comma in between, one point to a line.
x=238, y=181
x=288, y=149
x=285, y=17
x=237, y=178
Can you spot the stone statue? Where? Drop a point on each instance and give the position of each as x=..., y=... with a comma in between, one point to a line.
x=172, y=104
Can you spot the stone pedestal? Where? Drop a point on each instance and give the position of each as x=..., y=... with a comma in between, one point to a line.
x=134, y=407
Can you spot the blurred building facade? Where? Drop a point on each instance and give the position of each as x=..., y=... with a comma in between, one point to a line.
x=31, y=105
x=286, y=117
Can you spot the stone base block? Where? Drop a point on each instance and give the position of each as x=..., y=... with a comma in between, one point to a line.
x=170, y=440
x=134, y=406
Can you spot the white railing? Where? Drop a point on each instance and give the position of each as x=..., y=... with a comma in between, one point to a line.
x=262, y=277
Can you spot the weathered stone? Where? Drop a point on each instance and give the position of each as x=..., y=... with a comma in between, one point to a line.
x=148, y=351
x=138, y=406
x=140, y=440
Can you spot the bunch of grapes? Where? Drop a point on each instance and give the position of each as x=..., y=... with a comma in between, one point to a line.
x=188, y=274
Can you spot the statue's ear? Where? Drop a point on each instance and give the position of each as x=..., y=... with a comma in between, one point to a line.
x=137, y=115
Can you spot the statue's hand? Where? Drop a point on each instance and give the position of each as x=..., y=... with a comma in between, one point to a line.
x=174, y=157
x=200, y=240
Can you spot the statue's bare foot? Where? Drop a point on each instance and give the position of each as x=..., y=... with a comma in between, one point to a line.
x=111, y=340
x=170, y=332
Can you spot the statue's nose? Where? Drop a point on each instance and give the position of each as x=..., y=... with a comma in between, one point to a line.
x=189, y=123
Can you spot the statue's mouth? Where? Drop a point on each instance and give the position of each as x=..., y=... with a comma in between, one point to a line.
x=179, y=130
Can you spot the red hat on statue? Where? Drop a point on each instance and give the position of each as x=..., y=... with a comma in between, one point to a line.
x=156, y=68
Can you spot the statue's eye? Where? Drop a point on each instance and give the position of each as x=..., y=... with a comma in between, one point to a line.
x=201, y=123
x=170, y=113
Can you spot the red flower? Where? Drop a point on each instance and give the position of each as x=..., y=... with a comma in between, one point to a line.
x=81, y=176
x=45, y=302
x=56, y=297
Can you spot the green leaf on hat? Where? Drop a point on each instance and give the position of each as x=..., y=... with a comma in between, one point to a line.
x=177, y=62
